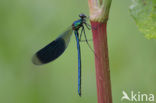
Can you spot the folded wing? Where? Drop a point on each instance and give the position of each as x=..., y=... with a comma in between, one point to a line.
x=54, y=49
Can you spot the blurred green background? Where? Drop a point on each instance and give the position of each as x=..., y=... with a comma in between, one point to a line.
x=28, y=25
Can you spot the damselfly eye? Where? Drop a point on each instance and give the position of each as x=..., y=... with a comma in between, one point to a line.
x=82, y=16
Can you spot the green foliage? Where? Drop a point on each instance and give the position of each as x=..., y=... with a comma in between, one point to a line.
x=144, y=14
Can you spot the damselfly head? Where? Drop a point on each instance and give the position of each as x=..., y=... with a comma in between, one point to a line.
x=82, y=16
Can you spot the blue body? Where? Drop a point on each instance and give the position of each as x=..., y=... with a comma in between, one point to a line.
x=79, y=62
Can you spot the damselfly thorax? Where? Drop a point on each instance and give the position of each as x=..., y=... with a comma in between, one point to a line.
x=79, y=23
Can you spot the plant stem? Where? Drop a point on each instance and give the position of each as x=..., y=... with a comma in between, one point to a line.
x=99, y=12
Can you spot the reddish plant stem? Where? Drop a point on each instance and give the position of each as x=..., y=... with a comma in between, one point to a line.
x=101, y=62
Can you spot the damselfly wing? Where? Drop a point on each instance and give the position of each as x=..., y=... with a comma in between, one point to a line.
x=54, y=49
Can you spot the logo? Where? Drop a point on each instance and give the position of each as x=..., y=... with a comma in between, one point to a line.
x=137, y=96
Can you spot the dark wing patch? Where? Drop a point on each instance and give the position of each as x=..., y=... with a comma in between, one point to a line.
x=50, y=52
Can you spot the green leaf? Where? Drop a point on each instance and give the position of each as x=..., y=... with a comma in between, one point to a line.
x=144, y=14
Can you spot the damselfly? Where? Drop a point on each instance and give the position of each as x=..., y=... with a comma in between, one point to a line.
x=58, y=46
